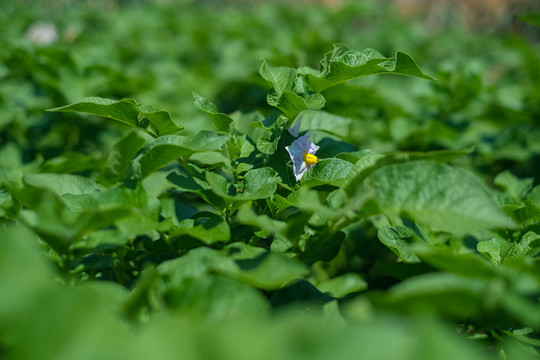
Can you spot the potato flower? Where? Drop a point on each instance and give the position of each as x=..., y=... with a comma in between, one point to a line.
x=294, y=130
x=302, y=153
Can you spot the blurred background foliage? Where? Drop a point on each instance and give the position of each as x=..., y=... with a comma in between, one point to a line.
x=484, y=57
x=53, y=53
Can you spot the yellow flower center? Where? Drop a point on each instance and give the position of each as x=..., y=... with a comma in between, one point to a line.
x=310, y=159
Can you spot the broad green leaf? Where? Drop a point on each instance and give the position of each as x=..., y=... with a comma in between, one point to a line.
x=534, y=195
x=241, y=251
x=168, y=148
x=247, y=216
x=145, y=208
x=343, y=285
x=445, y=293
x=312, y=120
x=210, y=158
x=266, y=270
x=223, y=122
x=343, y=64
x=214, y=297
x=102, y=240
x=10, y=156
x=307, y=200
x=120, y=155
x=205, y=226
x=281, y=79
x=439, y=196
x=496, y=249
x=266, y=146
x=515, y=188
x=322, y=248
x=99, y=219
x=501, y=251
x=522, y=308
x=197, y=186
x=187, y=183
x=466, y=265
x=524, y=246
x=301, y=292
x=288, y=93
x=71, y=163
x=62, y=183
x=136, y=198
x=24, y=274
x=291, y=104
x=368, y=162
x=127, y=111
x=396, y=240
x=327, y=172
x=240, y=147
x=269, y=271
x=257, y=184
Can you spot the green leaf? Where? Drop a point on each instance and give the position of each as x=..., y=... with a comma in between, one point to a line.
x=266, y=146
x=214, y=297
x=534, y=195
x=515, y=188
x=223, y=122
x=443, y=293
x=301, y=292
x=313, y=120
x=395, y=240
x=327, y=172
x=524, y=248
x=71, y=162
x=105, y=239
x=281, y=79
x=265, y=270
x=439, y=196
x=501, y=251
x=197, y=186
x=205, y=226
x=343, y=64
x=145, y=208
x=287, y=93
x=269, y=271
x=496, y=249
x=120, y=155
x=368, y=162
x=466, y=265
x=257, y=184
x=343, y=285
x=168, y=148
x=24, y=273
x=92, y=220
x=291, y=104
x=62, y=183
x=323, y=248
x=127, y=111
x=247, y=216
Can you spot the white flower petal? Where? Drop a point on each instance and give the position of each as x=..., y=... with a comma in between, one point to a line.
x=294, y=130
x=296, y=151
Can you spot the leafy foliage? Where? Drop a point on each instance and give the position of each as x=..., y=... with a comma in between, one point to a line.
x=127, y=231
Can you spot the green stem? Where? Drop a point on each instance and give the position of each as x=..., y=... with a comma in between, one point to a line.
x=149, y=133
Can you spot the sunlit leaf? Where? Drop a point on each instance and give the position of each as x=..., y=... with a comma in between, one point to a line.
x=223, y=122
x=167, y=149
x=127, y=111
x=440, y=196
x=343, y=64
